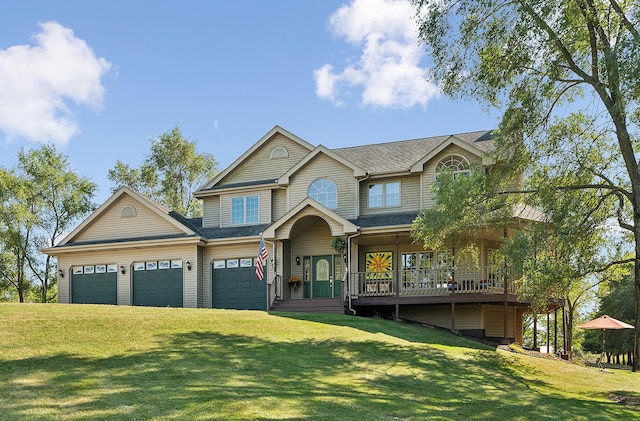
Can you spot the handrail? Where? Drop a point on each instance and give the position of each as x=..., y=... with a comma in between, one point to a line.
x=427, y=282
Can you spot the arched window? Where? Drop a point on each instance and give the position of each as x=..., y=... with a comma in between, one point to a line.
x=458, y=165
x=325, y=192
x=128, y=212
x=279, y=152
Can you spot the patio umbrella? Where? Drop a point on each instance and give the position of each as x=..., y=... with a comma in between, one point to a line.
x=605, y=322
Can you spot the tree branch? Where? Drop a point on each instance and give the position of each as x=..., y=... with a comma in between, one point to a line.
x=623, y=18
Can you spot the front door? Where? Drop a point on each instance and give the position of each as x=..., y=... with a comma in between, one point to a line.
x=322, y=270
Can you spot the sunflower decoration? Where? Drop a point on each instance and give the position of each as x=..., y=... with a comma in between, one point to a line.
x=379, y=265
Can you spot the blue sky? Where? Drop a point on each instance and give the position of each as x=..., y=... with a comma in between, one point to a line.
x=100, y=78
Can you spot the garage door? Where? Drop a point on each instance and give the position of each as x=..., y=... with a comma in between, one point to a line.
x=235, y=286
x=94, y=284
x=158, y=284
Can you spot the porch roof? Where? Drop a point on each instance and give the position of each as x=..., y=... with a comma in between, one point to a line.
x=385, y=220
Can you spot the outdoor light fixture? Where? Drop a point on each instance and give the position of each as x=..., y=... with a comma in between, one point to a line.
x=122, y=269
x=61, y=273
x=298, y=260
x=188, y=265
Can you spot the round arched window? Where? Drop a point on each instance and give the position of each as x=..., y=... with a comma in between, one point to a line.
x=325, y=192
x=458, y=165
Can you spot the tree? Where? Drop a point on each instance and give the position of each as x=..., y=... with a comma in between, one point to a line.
x=169, y=175
x=59, y=198
x=567, y=76
x=42, y=198
x=16, y=229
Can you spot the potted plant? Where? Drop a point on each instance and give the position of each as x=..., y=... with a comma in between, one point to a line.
x=295, y=281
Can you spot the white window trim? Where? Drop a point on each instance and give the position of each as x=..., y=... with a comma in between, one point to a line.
x=244, y=210
x=324, y=204
x=444, y=165
x=384, y=194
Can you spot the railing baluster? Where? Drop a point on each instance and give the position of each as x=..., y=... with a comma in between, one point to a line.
x=431, y=282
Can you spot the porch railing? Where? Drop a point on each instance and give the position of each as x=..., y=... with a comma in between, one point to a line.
x=428, y=282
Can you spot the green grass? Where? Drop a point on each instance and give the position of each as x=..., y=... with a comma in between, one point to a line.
x=68, y=362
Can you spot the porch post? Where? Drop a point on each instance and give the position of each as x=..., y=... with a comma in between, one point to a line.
x=548, y=332
x=555, y=330
x=397, y=272
x=505, y=340
x=564, y=333
x=453, y=316
x=535, y=331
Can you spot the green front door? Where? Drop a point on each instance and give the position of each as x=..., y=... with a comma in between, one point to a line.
x=322, y=270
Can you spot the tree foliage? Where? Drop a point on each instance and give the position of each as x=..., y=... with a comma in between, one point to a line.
x=566, y=75
x=169, y=174
x=42, y=198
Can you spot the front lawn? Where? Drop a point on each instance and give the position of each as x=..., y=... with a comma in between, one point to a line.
x=69, y=362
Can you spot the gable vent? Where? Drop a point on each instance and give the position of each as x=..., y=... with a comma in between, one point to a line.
x=128, y=212
x=279, y=152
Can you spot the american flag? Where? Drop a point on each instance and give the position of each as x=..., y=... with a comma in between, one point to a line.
x=262, y=256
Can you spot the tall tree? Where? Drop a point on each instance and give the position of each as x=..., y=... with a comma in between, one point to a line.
x=566, y=75
x=170, y=174
x=16, y=231
x=42, y=198
x=59, y=198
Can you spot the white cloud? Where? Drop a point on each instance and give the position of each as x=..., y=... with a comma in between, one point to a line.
x=36, y=83
x=388, y=70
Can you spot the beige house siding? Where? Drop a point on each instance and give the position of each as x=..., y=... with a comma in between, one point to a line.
x=285, y=230
x=323, y=166
x=494, y=321
x=110, y=224
x=468, y=316
x=126, y=258
x=429, y=174
x=260, y=166
x=409, y=196
x=211, y=212
x=278, y=204
x=264, y=203
x=200, y=266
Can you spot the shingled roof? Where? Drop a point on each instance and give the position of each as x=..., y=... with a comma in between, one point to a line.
x=381, y=158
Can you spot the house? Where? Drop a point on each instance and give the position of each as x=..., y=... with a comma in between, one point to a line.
x=336, y=224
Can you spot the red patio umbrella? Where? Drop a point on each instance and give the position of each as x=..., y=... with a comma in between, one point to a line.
x=605, y=322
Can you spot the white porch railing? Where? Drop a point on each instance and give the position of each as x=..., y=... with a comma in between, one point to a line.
x=428, y=282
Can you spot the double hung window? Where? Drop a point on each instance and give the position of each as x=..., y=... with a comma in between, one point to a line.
x=384, y=195
x=244, y=210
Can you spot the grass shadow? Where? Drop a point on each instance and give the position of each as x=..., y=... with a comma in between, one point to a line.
x=203, y=374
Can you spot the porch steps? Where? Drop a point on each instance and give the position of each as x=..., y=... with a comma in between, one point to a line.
x=317, y=305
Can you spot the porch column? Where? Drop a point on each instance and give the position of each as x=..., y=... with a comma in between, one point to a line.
x=564, y=333
x=548, y=332
x=555, y=330
x=535, y=331
x=453, y=316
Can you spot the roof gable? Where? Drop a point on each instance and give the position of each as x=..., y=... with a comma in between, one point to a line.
x=320, y=149
x=451, y=140
x=402, y=156
x=241, y=163
x=339, y=226
x=127, y=214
